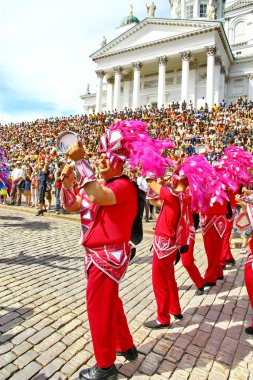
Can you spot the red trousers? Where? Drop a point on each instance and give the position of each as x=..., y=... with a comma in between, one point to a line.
x=188, y=262
x=108, y=324
x=226, y=251
x=213, y=246
x=248, y=273
x=165, y=287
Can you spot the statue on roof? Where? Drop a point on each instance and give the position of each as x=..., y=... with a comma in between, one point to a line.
x=151, y=9
x=131, y=10
x=103, y=42
x=211, y=12
x=88, y=88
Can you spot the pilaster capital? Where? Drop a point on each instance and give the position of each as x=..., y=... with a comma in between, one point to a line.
x=100, y=73
x=137, y=66
x=186, y=55
x=250, y=76
x=211, y=50
x=118, y=69
x=110, y=80
x=162, y=60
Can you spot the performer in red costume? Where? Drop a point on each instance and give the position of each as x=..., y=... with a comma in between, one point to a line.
x=246, y=202
x=226, y=254
x=188, y=261
x=167, y=242
x=173, y=230
x=213, y=225
x=232, y=171
x=108, y=211
x=105, y=236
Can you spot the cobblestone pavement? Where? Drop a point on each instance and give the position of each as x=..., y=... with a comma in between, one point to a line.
x=44, y=331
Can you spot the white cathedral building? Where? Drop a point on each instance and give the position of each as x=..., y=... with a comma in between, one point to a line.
x=203, y=53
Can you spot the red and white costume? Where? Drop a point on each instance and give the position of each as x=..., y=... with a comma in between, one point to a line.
x=213, y=225
x=226, y=253
x=248, y=270
x=188, y=259
x=105, y=235
x=171, y=233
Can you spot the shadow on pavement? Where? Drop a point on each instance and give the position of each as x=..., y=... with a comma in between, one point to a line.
x=14, y=317
x=12, y=218
x=44, y=260
x=33, y=226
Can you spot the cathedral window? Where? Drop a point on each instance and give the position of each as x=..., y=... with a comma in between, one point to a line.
x=202, y=10
x=240, y=32
x=189, y=11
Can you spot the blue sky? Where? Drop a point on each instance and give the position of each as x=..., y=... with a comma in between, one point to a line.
x=45, y=47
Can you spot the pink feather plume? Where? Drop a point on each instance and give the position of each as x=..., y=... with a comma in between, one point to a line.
x=233, y=168
x=205, y=189
x=142, y=149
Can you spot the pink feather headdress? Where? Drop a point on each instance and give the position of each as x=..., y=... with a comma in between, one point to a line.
x=130, y=139
x=204, y=187
x=233, y=168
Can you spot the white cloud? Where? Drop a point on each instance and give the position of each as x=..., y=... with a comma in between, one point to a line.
x=45, y=47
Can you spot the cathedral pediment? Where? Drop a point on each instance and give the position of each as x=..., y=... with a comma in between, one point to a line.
x=238, y=5
x=153, y=31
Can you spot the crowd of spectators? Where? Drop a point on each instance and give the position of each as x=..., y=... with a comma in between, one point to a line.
x=32, y=145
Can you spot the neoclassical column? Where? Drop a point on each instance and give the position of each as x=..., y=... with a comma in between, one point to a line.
x=137, y=82
x=161, y=81
x=217, y=80
x=109, y=98
x=183, y=9
x=222, y=82
x=186, y=56
x=192, y=83
x=196, y=9
x=250, y=92
x=126, y=89
x=100, y=75
x=117, y=81
x=210, y=51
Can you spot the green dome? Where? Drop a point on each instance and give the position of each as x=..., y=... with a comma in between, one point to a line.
x=129, y=20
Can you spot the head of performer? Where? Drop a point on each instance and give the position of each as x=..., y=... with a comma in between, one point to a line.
x=179, y=181
x=107, y=170
x=112, y=155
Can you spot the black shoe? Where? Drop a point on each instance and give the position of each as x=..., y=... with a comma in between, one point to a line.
x=96, y=373
x=130, y=354
x=220, y=278
x=200, y=291
x=178, y=316
x=232, y=262
x=209, y=283
x=249, y=330
x=224, y=267
x=155, y=325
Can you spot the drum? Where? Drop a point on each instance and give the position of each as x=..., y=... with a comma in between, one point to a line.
x=65, y=139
